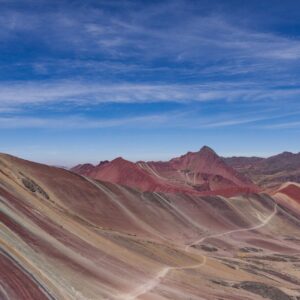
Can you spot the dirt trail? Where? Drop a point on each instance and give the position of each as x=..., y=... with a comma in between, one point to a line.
x=148, y=286
x=151, y=284
x=264, y=223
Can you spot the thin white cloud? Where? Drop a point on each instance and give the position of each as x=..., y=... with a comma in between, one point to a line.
x=187, y=35
x=171, y=119
x=14, y=95
x=128, y=43
x=73, y=122
x=285, y=125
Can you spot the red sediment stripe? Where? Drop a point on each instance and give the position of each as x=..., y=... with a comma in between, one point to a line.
x=67, y=238
x=42, y=246
x=98, y=258
x=17, y=283
x=292, y=191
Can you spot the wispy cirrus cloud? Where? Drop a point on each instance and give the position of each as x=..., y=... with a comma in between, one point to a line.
x=283, y=125
x=189, y=41
x=79, y=122
x=181, y=65
x=184, y=119
x=132, y=32
x=16, y=94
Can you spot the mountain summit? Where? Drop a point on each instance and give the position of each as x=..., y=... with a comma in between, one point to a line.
x=202, y=172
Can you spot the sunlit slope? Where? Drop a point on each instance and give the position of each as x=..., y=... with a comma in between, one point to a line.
x=288, y=195
x=64, y=236
x=202, y=173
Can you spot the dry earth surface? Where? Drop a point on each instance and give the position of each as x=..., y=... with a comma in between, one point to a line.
x=271, y=172
x=67, y=236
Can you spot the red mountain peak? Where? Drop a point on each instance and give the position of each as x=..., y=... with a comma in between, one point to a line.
x=194, y=172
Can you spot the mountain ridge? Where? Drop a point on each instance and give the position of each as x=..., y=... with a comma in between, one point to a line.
x=66, y=236
x=269, y=172
x=202, y=172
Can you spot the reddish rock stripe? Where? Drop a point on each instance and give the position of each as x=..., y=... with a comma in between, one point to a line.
x=292, y=191
x=42, y=246
x=18, y=283
x=100, y=259
x=58, y=232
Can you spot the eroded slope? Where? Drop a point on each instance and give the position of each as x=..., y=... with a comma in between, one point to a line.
x=202, y=173
x=64, y=236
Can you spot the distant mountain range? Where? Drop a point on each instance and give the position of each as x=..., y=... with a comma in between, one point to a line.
x=268, y=172
x=202, y=172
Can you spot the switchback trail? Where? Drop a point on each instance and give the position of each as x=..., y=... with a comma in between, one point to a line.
x=151, y=284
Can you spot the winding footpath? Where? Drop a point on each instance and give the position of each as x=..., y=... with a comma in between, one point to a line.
x=151, y=284
x=154, y=282
x=264, y=223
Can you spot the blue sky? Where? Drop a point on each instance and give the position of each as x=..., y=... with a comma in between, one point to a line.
x=83, y=81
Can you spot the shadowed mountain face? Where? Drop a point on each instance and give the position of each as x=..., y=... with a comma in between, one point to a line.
x=268, y=172
x=65, y=236
x=202, y=172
